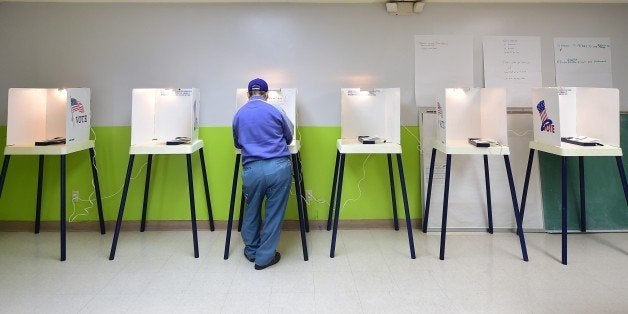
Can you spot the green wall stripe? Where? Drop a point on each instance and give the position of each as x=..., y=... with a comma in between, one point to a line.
x=169, y=196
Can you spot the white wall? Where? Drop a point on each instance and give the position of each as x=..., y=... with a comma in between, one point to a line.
x=317, y=48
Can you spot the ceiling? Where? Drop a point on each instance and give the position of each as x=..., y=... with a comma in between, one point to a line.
x=330, y=1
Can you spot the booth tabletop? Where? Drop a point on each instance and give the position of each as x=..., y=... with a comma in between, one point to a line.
x=61, y=149
x=160, y=148
x=351, y=146
x=461, y=147
x=567, y=149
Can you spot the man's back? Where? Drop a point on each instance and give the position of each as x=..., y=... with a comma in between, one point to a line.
x=261, y=130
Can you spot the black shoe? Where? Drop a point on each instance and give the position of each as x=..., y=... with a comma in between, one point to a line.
x=274, y=261
x=249, y=258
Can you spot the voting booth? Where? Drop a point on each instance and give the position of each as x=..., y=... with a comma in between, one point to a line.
x=575, y=122
x=39, y=114
x=472, y=113
x=163, y=114
x=480, y=114
x=563, y=112
x=50, y=122
x=373, y=113
x=165, y=122
x=283, y=98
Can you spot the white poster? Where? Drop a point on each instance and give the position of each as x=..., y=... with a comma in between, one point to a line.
x=441, y=61
x=514, y=63
x=583, y=62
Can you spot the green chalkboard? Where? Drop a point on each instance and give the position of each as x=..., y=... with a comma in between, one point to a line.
x=606, y=207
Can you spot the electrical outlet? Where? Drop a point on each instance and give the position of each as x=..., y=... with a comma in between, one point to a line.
x=309, y=195
x=75, y=196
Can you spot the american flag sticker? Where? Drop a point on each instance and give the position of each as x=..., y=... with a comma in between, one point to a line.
x=76, y=106
x=439, y=112
x=77, y=111
x=546, y=123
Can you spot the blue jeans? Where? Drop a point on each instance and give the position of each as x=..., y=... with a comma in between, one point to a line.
x=270, y=179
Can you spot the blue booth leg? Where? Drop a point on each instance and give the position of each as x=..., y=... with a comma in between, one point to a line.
x=234, y=185
x=391, y=176
x=241, y=215
x=125, y=190
x=443, y=227
x=564, y=210
x=40, y=179
x=426, y=213
x=620, y=167
x=192, y=206
x=524, y=196
x=146, y=189
x=62, y=208
x=341, y=171
x=333, y=191
x=515, y=206
x=101, y=216
x=3, y=174
x=300, y=207
x=303, y=194
x=206, y=185
x=404, y=193
x=488, y=196
x=583, y=214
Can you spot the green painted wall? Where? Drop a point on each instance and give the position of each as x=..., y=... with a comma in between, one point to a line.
x=169, y=194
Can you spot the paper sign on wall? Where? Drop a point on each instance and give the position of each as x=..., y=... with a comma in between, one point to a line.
x=583, y=62
x=441, y=61
x=513, y=62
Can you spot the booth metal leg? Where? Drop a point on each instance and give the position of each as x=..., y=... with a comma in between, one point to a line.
x=341, y=171
x=620, y=167
x=391, y=176
x=426, y=212
x=241, y=211
x=125, y=189
x=443, y=227
x=488, y=196
x=303, y=194
x=232, y=205
x=192, y=206
x=101, y=217
x=518, y=217
x=300, y=207
x=40, y=180
x=206, y=185
x=583, y=214
x=146, y=189
x=404, y=193
x=62, y=208
x=3, y=174
x=564, y=209
x=526, y=183
x=333, y=191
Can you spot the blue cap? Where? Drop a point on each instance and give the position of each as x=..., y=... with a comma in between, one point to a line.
x=258, y=85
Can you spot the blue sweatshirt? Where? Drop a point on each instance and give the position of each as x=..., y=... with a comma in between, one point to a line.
x=261, y=131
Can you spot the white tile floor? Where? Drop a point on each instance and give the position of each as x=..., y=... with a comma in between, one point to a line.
x=155, y=272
